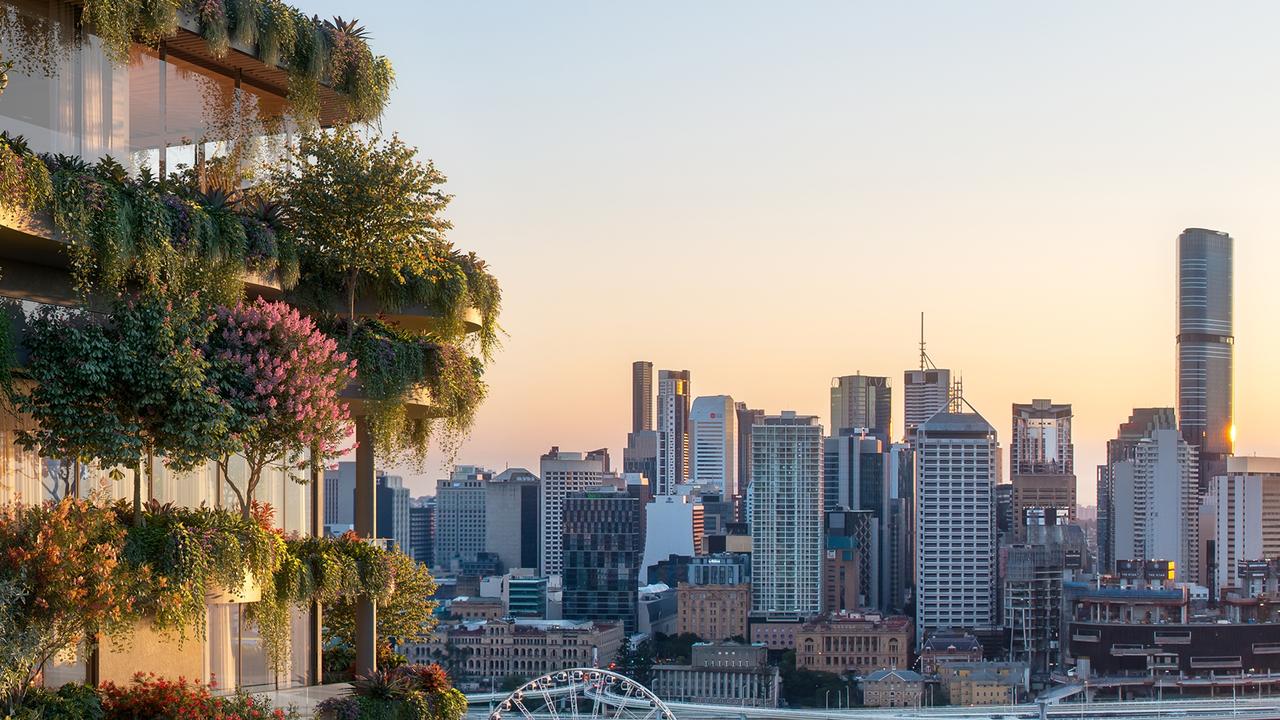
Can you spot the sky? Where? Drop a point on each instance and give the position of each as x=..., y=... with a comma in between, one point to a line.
x=769, y=194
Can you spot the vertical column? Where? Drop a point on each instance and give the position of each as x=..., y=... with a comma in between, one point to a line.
x=314, y=635
x=366, y=512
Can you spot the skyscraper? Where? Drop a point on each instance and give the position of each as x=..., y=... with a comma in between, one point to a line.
x=1246, y=504
x=562, y=473
x=924, y=393
x=713, y=435
x=392, y=518
x=673, y=422
x=955, y=523
x=860, y=474
x=1140, y=425
x=641, y=454
x=786, y=523
x=603, y=539
x=511, y=518
x=1205, y=347
x=1041, y=460
x=460, y=516
x=1156, y=503
x=747, y=417
x=422, y=530
x=862, y=401
x=641, y=396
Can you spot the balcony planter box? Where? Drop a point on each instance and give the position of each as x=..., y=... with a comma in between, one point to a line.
x=251, y=592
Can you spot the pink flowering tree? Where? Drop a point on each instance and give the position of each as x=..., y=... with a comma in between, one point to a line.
x=282, y=378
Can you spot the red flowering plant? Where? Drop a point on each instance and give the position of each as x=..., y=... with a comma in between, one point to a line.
x=61, y=582
x=149, y=697
x=282, y=377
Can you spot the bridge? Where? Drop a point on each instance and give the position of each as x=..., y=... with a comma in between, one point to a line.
x=593, y=693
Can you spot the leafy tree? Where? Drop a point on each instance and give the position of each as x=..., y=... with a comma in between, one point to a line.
x=806, y=688
x=453, y=658
x=124, y=389
x=364, y=208
x=635, y=661
x=674, y=648
x=405, y=616
x=281, y=378
x=61, y=582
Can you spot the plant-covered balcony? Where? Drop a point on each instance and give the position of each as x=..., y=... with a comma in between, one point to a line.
x=216, y=287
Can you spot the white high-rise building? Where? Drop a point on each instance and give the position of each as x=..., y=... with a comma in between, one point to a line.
x=1246, y=507
x=673, y=424
x=562, y=473
x=786, y=522
x=955, y=523
x=713, y=435
x=1156, y=502
x=924, y=392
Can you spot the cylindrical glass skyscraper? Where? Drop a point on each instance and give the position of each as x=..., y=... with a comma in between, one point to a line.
x=1205, y=346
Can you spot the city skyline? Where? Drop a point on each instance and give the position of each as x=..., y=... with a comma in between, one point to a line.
x=855, y=148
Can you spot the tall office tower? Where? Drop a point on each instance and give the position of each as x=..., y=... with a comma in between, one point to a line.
x=786, y=522
x=641, y=396
x=1205, y=339
x=562, y=473
x=1041, y=439
x=1041, y=461
x=603, y=540
x=392, y=517
x=641, y=454
x=511, y=518
x=1140, y=425
x=849, y=538
x=746, y=418
x=713, y=435
x=862, y=401
x=924, y=393
x=955, y=523
x=461, y=516
x=1246, y=505
x=902, y=526
x=1156, y=503
x=422, y=530
x=673, y=423
x=340, y=497
x=857, y=476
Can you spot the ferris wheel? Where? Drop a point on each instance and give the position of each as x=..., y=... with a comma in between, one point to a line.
x=582, y=693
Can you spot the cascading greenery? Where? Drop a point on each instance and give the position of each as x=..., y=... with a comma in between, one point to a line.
x=314, y=52
x=391, y=365
x=24, y=180
x=184, y=554
x=159, y=233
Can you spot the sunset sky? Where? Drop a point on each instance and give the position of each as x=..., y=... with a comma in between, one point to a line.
x=768, y=194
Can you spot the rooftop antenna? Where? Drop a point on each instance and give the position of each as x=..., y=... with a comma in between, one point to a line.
x=925, y=362
x=957, y=395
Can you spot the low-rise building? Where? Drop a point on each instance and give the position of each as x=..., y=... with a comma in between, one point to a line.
x=984, y=683
x=854, y=643
x=946, y=646
x=721, y=674
x=1126, y=625
x=893, y=688
x=713, y=612
x=477, y=608
x=518, y=646
x=657, y=610
x=775, y=634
